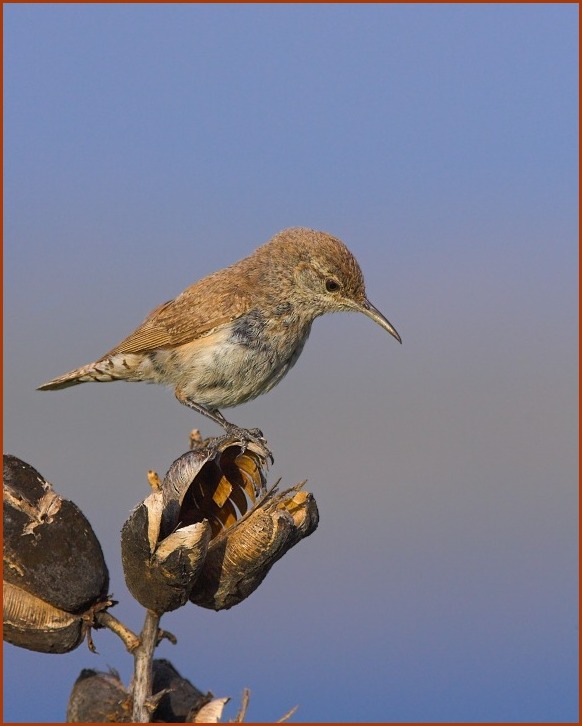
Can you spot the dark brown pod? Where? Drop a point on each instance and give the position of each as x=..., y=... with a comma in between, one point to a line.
x=211, y=532
x=54, y=571
x=182, y=698
x=32, y=623
x=165, y=540
x=159, y=571
x=99, y=698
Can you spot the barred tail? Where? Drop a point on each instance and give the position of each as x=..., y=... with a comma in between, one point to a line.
x=91, y=372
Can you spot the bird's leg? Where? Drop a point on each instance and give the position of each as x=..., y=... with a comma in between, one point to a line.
x=245, y=435
x=213, y=415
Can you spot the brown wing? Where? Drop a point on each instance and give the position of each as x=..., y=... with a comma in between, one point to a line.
x=197, y=311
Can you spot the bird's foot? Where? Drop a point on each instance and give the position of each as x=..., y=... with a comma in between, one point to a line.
x=250, y=436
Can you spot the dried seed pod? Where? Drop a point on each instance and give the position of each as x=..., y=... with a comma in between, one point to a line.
x=54, y=572
x=219, y=480
x=99, y=698
x=159, y=573
x=32, y=623
x=165, y=540
x=210, y=531
x=182, y=698
x=240, y=557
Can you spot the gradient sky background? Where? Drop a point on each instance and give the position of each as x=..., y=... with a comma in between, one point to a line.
x=147, y=146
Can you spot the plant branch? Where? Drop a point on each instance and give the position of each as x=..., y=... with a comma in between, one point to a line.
x=143, y=678
x=106, y=620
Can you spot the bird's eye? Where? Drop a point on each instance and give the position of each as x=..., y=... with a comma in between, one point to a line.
x=332, y=285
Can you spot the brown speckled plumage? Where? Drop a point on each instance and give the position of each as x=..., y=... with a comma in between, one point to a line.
x=234, y=334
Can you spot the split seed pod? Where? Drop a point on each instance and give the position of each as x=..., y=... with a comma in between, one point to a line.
x=211, y=531
x=240, y=557
x=55, y=576
x=165, y=540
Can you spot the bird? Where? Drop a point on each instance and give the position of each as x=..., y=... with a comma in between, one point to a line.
x=234, y=334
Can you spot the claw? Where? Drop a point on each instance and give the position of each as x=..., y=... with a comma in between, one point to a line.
x=253, y=436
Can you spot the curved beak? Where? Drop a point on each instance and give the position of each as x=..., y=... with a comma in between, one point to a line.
x=368, y=309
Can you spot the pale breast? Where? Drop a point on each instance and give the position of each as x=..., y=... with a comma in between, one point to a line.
x=233, y=364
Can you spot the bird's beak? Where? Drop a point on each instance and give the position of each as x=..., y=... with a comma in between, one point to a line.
x=368, y=309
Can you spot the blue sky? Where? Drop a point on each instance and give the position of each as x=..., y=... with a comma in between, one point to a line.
x=147, y=146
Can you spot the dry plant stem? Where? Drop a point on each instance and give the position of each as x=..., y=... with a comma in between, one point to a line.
x=143, y=659
x=105, y=620
x=242, y=712
x=288, y=715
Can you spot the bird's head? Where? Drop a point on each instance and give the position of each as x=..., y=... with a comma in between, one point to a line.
x=326, y=274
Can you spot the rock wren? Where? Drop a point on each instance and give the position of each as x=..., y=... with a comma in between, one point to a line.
x=234, y=334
